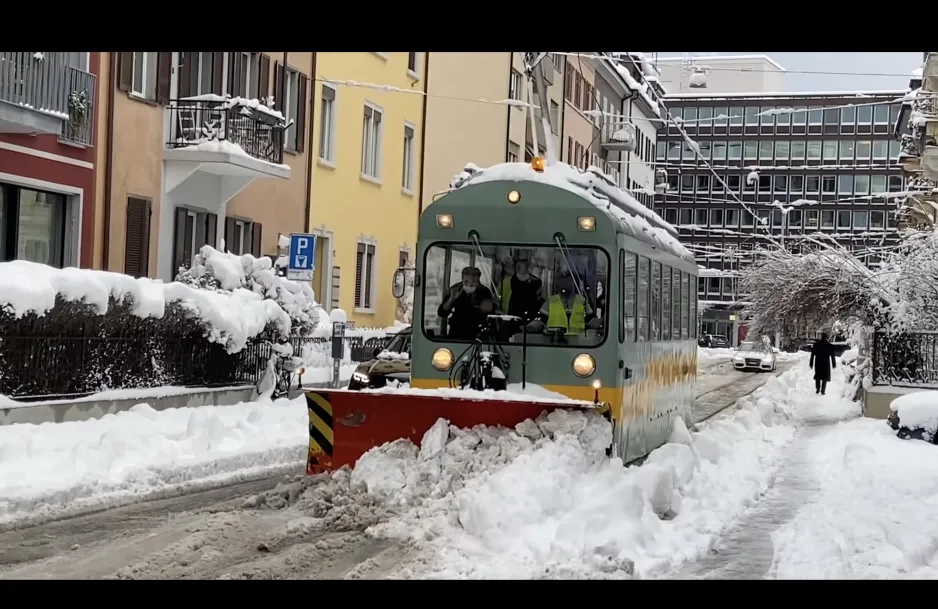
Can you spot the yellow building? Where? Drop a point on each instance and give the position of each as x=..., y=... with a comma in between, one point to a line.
x=366, y=187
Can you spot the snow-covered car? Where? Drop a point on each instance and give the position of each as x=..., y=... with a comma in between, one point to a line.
x=390, y=363
x=754, y=356
x=915, y=416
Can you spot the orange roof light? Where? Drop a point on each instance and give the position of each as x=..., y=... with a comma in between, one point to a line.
x=537, y=164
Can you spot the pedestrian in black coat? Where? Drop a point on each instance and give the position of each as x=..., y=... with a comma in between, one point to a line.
x=822, y=360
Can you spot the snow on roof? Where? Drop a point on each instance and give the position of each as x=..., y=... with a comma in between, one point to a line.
x=232, y=319
x=592, y=185
x=641, y=88
x=774, y=94
x=704, y=58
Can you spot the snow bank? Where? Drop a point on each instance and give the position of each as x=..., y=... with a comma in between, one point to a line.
x=230, y=319
x=57, y=469
x=707, y=357
x=918, y=410
x=873, y=515
x=544, y=501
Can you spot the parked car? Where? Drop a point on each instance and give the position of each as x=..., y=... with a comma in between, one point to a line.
x=754, y=356
x=712, y=341
x=391, y=362
x=914, y=416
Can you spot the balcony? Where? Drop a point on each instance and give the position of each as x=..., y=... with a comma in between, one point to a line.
x=41, y=94
x=620, y=137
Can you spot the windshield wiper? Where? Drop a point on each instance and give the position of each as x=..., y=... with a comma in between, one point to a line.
x=561, y=243
x=474, y=237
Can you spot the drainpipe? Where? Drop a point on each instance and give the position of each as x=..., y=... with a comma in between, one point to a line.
x=423, y=131
x=309, y=151
x=109, y=159
x=511, y=60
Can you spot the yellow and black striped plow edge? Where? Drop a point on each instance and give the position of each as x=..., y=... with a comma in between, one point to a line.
x=321, y=436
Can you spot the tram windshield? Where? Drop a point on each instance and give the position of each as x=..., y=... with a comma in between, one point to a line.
x=557, y=296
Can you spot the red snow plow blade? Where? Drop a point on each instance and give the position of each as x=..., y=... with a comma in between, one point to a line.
x=344, y=425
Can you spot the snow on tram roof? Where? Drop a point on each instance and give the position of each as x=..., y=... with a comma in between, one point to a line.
x=592, y=185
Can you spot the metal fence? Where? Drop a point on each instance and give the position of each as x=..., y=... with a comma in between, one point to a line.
x=194, y=122
x=908, y=359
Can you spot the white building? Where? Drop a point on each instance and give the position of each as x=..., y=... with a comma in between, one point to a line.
x=721, y=74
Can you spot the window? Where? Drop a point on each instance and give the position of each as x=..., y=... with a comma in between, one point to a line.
x=894, y=149
x=295, y=95
x=781, y=150
x=860, y=218
x=690, y=117
x=407, y=180
x=687, y=153
x=372, y=135
x=685, y=216
x=829, y=185
x=720, y=112
x=812, y=184
x=877, y=219
x=880, y=150
x=732, y=182
x=895, y=183
x=845, y=185
x=815, y=115
x=813, y=150
x=248, y=84
x=144, y=75
x=704, y=148
x=670, y=215
x=674, y=151
x=515, y=88
x=762, y=217
x=554, y=117
x=413, y=65
x=765, y=183
x=735, y=151
x=193, y=228
x=831, y=117
x=34, y=225
x=794, y=218
x=676, y=303
x=736, y=116
x=666, y=287
x=701, y=217
x=846, y=150
x=713, y=285
x=327, y=125
x=827, y=218
x=799, y=118
x=863, y=149
x=877, y=184
x=655, y=300
x=765, y=150
x=848, y=116
x=719, y=151
x=797, y=150
x=830, y=150
x=732, y=217
x=660, y=156
x=643, y=273
x=752, y=115
x=811, y=218
x=365, y=276
x=881, y=114
x=777, y=218
x=783, y=119
x=843, y=219
x=242, y=237
x=750, y=149
x=673, y=182
x=514, y=151
x=796, y=184
x=705, y=117
x=781, y=183
x=716, y=217
x=137, y=240
x=629, y=276
x=864, y=115
x=703, y=182
x=861, y=184
x=766, y=119
x=687, y=183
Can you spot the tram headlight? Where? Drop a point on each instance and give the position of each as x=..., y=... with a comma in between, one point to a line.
x=584, y=365
x=514, y=196
x=442, y=359
x=587, y=224
x=444, y=220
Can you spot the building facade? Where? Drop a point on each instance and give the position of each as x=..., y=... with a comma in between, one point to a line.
x=824, y=167
x=721, y=74
x=367, y=182
x=201, y=148
x=917, y=133
x=48, y=161
x=519, y=122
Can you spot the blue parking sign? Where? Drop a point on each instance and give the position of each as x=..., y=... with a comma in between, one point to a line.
x=302, y=256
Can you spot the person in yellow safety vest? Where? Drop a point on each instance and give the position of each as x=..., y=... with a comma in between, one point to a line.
x=521, y=292
x=566, y=309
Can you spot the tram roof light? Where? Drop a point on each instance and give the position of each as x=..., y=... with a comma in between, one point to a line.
x=538, y=164
x=587, y=224
x=444, y=220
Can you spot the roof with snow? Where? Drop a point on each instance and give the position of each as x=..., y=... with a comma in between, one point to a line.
x=593, y=186
x=727, y=58
x=792, y=94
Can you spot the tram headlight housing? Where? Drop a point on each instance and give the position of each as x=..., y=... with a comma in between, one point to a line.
x=514, y=196
x=584, y=365
x=442, y=359
x=444, y=220
x=587, y=224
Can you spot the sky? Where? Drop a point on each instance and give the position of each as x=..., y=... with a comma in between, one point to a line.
x=869, y=65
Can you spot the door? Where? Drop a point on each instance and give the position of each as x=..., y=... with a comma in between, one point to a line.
x=320, y=273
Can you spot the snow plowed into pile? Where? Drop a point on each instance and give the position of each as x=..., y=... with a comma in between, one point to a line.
x=544, y=501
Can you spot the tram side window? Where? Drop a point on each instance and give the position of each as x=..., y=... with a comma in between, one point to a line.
x=643, y=272
x=655, y=301
x=676, y=306
x=629, y=278
x=685, y=306
x=665, y=303
x=693, y=315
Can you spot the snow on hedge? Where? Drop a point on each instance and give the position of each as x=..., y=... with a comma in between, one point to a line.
x=230, y=318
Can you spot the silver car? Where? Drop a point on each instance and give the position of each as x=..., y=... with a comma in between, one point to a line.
x=754, y=356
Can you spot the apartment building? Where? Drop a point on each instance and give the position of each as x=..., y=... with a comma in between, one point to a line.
x=201, y=148
x=917, y=132
x=520, y=135
x=367, y=180
x=721, y=74
x=827, y=168
x=48, y=162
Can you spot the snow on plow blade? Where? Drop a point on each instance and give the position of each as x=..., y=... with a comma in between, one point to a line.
x=344, y=425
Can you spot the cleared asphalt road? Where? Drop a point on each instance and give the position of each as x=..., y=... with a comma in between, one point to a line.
x=214, y=534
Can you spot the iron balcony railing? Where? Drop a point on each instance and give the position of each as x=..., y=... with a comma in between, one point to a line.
x=909, y=359
x=204, y=123
x=44, y=82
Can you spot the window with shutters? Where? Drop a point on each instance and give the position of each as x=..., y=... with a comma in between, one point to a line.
x=248, y=85
x=242, y=236
x=144, y=75
x=192, y=229
x=372, y=136
x=413, y=65
x=327, y=125
x=137, y=237
x=365, y=262
x=292, y=107
x=515, y=85
x=407, y=180
x=514, y=151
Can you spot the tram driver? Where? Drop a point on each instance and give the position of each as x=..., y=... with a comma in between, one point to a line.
x=466, y=306
x=566, y=309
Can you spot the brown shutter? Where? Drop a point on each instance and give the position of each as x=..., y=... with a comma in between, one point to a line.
x=256, y=240
x=301, y=107
x=278, y=84
x=369, y=273
x=186, y=75
x=359, y=274
x=218, y=73
x=125, y=71
x=263, y=76
x=164, y=73
x=211, y=229
x=234, y=73
x=229, y=233
x=137, y=238
x=179, y=240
